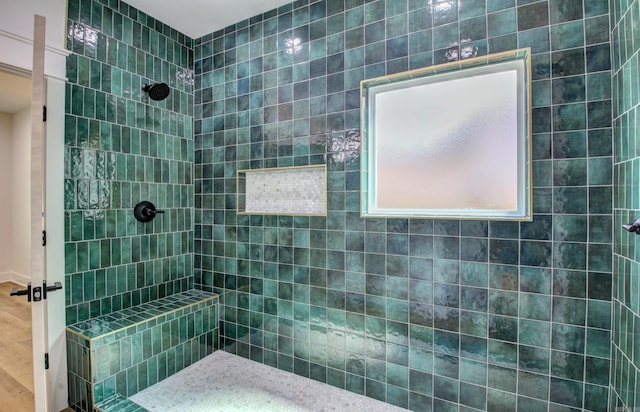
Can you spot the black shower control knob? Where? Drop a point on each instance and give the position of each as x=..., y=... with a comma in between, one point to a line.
x=145, y=211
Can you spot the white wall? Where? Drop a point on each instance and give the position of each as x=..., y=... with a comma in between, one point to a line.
x=16, y=29
x=16, y=13
x=15, y=224
x=5, y=192
x=20, y=193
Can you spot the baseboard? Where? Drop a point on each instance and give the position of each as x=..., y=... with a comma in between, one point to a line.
x=15, y=278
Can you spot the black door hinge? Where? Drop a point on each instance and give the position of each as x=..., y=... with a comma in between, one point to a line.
x=46, y=361
x=44, y=238
x=44, y=113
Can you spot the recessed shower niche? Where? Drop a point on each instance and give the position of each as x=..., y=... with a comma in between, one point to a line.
x=297, y=190
x=449, y=141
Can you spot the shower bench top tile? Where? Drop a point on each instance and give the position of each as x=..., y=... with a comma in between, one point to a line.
x=143, y=316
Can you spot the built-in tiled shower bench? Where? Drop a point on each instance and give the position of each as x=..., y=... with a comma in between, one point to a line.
x=114, y=356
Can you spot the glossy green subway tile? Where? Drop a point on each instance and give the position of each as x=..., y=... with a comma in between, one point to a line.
x=568, y=338
x=502, y=378
x=503, y=302
x=570, y=255
x=569, y=311
x=535, y=280
x=539, y=41
x=566, y=392
x=473, y=323
x=473, y=371
x=596, y=397
x=503, y=251
x=563, y=10
x=446, y=390
x=534, y=359
x=597, y=370
x=473, y=348
x=567, y=35
x=443, y=35
x=502, y=353
x=536, y=307
x=499, y=400
x=533, y=15
x=570, y=283
x=598, y=342
x=501, y=22
x=471, y=8
x=533, y=385
x=598, y=58
x=500, y=5
x=474, y=274
x=567, y=365
x=503, y=328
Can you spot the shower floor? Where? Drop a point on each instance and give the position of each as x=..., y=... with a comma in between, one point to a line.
x=230, y=383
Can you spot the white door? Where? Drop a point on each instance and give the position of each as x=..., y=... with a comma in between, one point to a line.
x=38, y=268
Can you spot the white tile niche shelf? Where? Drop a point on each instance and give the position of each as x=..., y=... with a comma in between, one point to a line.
x=297, y=190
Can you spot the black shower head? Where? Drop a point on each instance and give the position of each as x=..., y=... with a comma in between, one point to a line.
x=157, y=91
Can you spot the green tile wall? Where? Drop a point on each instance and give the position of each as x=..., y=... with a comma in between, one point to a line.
x=121, y=148
x=424, y=314
x=625, y=356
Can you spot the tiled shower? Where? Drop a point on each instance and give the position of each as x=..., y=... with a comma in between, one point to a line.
x=424, y=314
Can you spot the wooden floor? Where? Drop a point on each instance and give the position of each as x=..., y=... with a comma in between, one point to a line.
x=16, y=363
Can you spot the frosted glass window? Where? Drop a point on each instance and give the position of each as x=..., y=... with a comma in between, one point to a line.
x=449, y=141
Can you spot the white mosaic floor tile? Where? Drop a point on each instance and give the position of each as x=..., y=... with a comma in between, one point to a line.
x=223, y=382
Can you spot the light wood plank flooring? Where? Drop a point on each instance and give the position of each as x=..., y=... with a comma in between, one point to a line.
x=16, y=363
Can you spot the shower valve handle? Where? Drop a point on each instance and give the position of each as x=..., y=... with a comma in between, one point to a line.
x=145, y=211
x=633, y=227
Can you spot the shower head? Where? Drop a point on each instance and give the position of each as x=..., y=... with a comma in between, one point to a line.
x=157, y=91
